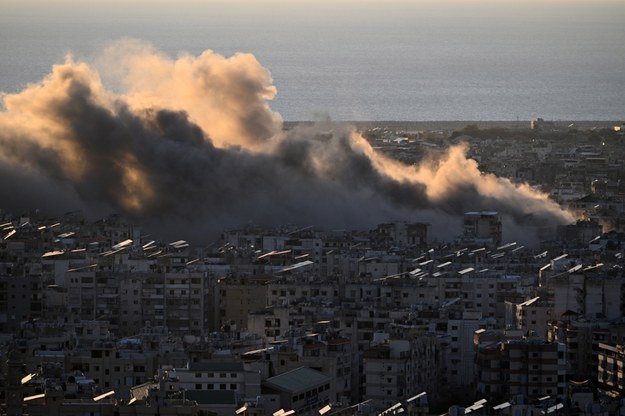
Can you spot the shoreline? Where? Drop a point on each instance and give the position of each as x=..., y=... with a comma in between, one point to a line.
x=460, y=124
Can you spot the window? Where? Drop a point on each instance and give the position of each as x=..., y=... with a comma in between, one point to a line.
x=198, y=386
x=233, y=386
x=233, y=375
x=222, y=386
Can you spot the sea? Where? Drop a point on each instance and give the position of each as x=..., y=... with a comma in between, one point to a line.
x=345, y=60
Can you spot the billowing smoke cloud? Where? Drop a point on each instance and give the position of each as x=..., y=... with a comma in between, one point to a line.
x=226, y=97
x=192, y=144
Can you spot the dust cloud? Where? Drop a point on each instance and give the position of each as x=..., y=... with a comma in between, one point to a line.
x=190, y=145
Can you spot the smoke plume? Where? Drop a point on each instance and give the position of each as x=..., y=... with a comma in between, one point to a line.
x=192, y=144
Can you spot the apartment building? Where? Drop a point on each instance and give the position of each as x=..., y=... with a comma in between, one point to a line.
x=217, y=375
x=611, y=369
x=397, y=369
x=483, y=227
x=528, y=366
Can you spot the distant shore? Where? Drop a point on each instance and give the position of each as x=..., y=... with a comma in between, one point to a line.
x=459, y=124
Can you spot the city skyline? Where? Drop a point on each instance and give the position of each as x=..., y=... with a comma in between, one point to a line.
x=351, y=208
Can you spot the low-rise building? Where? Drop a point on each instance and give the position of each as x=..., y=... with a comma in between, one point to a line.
x=303, y=390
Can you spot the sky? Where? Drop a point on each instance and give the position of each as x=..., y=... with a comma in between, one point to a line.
x=360, y=60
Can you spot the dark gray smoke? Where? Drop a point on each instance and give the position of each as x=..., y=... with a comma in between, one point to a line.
x=69, y=143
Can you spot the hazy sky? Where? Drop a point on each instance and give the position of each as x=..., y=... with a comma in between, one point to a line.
x=324, y=8
x=351, y=58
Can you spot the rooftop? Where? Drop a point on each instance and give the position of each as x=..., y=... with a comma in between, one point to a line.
x=299, y=379
x=211, y=397
x=216, y=366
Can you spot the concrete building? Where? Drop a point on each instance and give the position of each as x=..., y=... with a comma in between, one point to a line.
x=238, y=298
x=611, y=369
x=483, y=227
x=461, y=356
x=592, y=291
x=532, y=315
x=21, y=299
x=581, y=338
x=111, y=368
x=401, y=235
x=528, y=366
x=303, y=390
x=224, y=376
x=397, y=369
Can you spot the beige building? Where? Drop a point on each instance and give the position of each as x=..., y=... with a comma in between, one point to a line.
x=611, y=369
x=237, y=298
x=483, y=227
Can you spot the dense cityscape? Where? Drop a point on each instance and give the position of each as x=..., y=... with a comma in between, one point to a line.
x=495, y=317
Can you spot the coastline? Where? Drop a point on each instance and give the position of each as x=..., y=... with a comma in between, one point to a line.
x=459, y=124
